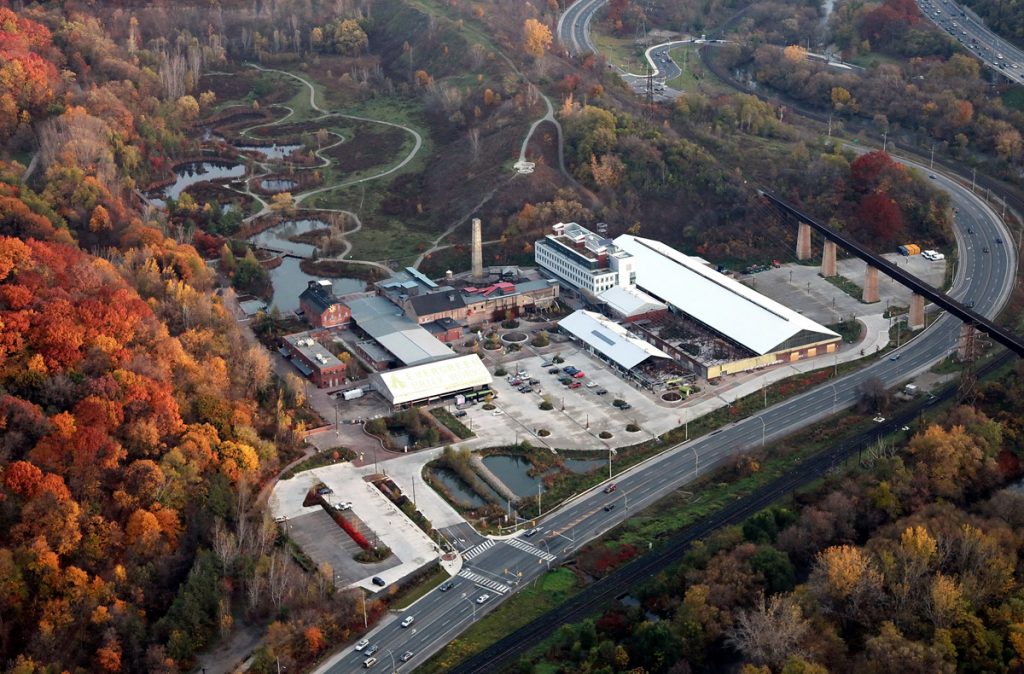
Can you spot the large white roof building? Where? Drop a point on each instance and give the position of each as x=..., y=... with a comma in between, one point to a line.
x=610, y=339
x=431, y=380
x=738, y=313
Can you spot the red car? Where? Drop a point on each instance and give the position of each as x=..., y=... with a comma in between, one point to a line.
x=610, y=488
x=575, y=384
x=579, y=375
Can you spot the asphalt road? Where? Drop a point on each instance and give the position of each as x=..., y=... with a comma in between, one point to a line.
x=995, y=52
x=498, y=568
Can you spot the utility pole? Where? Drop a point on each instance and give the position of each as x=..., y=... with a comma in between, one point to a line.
x=539, y=509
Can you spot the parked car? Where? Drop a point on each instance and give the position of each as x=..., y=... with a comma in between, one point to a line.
x=554, y=370
x=344, y=505
x=497, y=413
x=408, y=621
x=579, y=374
x=533, y=381
x=460, y=413
x=363, y=643
x=591, y=384
x=575, y=384
x=516, y=382
x=565, y=381
x=482, y=599
x=626, y=406
x=323, y=491
x=610, y=488
x=377, y=580
x=601, y=391
x=569, y=369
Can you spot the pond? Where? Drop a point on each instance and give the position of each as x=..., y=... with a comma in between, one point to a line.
x=276, y=238
x=194, y=173
x=400, y=440
x=289, y=281
x=512, y=470
x=584, y=465
x=270, y=151
x=277, y=184
x=459, y=490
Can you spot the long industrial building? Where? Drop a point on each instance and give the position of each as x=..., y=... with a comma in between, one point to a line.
x=765, y=332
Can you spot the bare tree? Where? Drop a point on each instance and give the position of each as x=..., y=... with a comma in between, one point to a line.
x=770, y=632
x=474, y=142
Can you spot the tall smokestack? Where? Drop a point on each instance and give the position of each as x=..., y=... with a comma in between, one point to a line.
x=478, y=250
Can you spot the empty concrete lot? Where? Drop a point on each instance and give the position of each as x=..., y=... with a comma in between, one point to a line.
x=579, y=415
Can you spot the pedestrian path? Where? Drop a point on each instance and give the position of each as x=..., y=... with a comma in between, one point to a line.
x=483, y=581
x=477, y=550
x=530, y=548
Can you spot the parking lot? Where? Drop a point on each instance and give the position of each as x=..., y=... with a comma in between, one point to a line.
x=324, y=541
x=578, y=416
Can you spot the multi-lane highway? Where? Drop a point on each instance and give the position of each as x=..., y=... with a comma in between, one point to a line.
x=995, y=52
x=573, y=28
x=497, y=568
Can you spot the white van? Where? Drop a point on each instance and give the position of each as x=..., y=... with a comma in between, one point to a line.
x=369, y=662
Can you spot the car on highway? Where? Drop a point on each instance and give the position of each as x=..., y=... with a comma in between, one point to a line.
x=482, y=599
x=895, y=356
x=406, y=657
x=363, y=643
x=446, y=586
x=372, y=649
x=408, y=621
x=531, y=532
x=609, y=507
x=879, y=419
x=369, y=662
x=985, y=249
x=999, y=240
x=610, y=488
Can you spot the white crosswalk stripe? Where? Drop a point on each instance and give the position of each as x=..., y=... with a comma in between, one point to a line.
x=531, y=548
x=477, y=549
x=496, y=586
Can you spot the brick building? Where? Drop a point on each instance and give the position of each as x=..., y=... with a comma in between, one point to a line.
x=321, y=308
x=313, y=360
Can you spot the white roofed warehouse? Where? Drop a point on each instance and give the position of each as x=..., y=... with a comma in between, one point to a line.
x=612, y=342
x=429, y=381
x=728, y=327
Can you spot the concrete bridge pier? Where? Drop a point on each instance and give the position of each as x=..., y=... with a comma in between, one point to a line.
x=870, y=295
x=916, y=320
x=828, y=259
x=803, y=241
